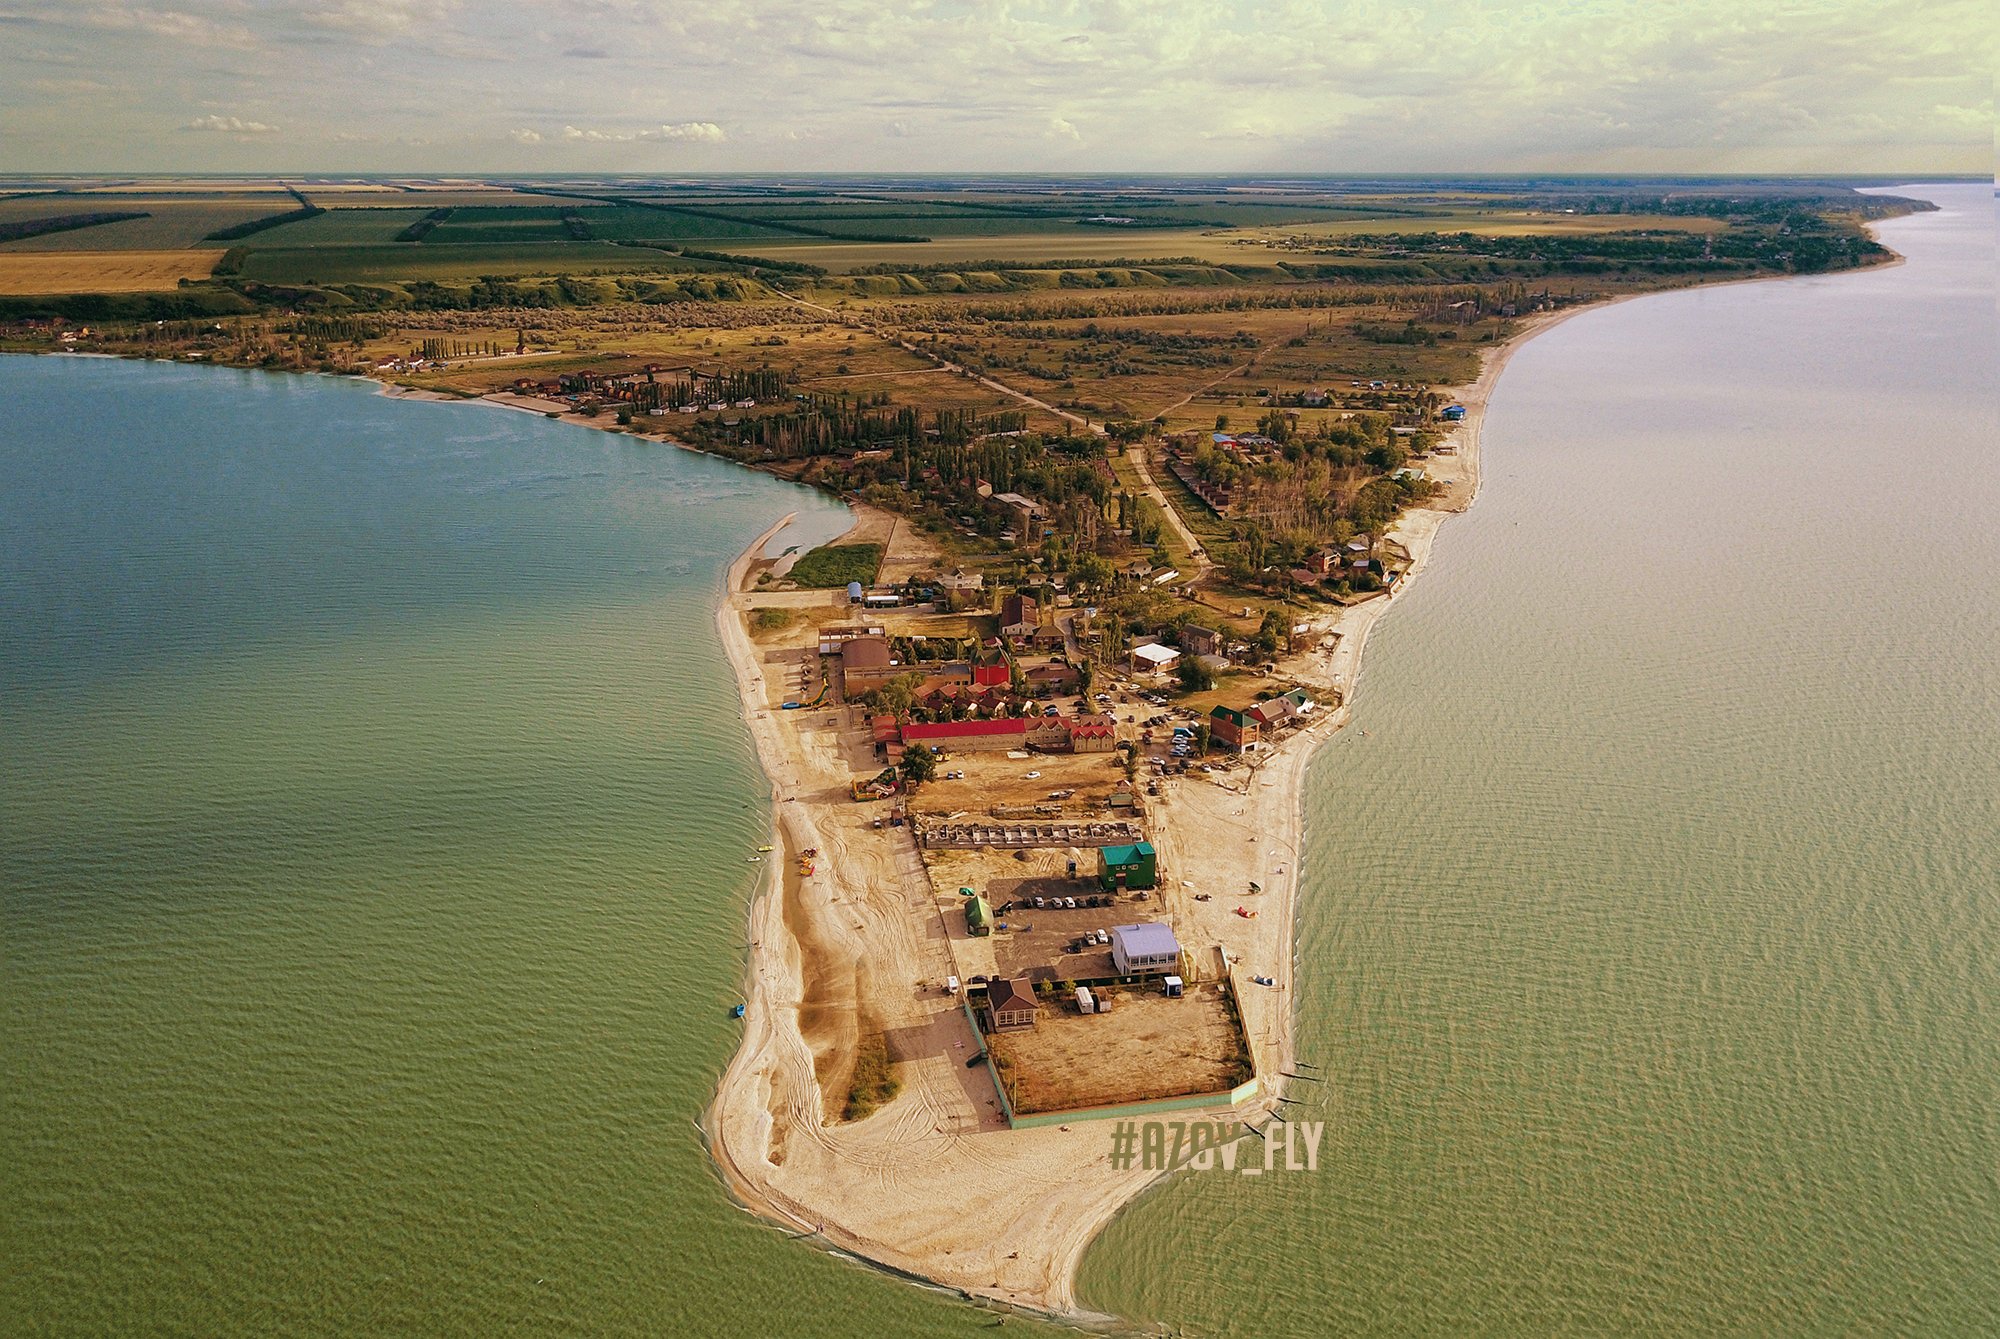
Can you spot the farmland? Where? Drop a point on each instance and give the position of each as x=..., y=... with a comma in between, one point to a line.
x=171, y=224
x=39, y=272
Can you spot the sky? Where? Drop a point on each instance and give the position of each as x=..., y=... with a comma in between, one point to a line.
x=1895, y=87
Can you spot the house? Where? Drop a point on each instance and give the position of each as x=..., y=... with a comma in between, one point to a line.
x=1091, y=734
x=1050, y=734
x=1054, y=677
x=1233, y=728
x=1314, y=398
x=1010, y=1005
x=1154, y=657
x=1145, y=950
x=1133, y=866
x=1020, y=617
x=992, y=674
x=1200, y=641
x=968, y=736
x=887, y=734
x=1453, y=413
x=1272, y=711
x=962, y=590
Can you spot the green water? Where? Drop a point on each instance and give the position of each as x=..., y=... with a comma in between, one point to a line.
x=374, y=808
x=1651, y=939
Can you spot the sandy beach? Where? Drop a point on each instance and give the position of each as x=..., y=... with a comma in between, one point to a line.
x=934, y=1184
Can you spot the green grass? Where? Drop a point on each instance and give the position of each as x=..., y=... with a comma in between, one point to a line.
x=832, y=565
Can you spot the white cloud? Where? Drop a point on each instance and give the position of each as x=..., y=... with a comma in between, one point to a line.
x=230, y=125
x=525, y=136
x=700, y=132
x=1062, y=128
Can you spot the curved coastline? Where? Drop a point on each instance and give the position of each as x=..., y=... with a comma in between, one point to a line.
x=1055, y=1184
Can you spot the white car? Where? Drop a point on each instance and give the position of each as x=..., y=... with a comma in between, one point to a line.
x=1033, y=775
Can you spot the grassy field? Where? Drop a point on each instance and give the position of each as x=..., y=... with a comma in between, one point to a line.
x=833, y=565
x=37, y=272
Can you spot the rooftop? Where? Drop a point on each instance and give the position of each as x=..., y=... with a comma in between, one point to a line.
x=1146, y=940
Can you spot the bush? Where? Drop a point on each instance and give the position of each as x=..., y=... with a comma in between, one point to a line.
x=770, y=620
x=874, y=1082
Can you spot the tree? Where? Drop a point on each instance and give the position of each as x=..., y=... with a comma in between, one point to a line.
x=1086, y=675
x=899, y=694
x=1201, y=735
x=919, y=763
x=1195, y=677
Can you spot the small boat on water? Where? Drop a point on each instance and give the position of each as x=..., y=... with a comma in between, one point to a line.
x=763, y=848
x=736, y=1011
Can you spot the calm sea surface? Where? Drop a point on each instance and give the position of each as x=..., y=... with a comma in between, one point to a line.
x=1651, y=947
x=374, y=812
x=373, y=807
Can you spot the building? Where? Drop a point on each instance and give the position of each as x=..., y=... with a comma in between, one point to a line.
x=1050, y=734
x=1145, y=950
x=1010, y=1005
x=833, y=635
x=1054, y=677
x=1233, y=728
x=1154, y=657
x=1453, y=413
x=1134, y=866
x=1091, y=734
x=1200, y=641
x=1273, y=711
x=1027, y=514
x=866, y=663
x=968, y=736
x=1020, y=617
x=978, y=916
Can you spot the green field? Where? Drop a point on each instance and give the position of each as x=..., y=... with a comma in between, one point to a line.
x=352, y=226
x=402, y=262
x=173, y=224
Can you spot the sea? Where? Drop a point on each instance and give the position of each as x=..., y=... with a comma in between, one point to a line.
x=376, y=823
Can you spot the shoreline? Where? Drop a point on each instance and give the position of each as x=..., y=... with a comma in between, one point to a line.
x=767, y=1101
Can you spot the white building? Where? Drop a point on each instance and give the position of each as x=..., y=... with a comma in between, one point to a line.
x=1144, y=949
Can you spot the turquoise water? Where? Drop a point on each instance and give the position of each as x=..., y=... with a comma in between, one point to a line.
x=373, y=809
x=1650, y=932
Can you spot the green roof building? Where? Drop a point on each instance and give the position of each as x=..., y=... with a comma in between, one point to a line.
x=1126, y=866
x=978, y=916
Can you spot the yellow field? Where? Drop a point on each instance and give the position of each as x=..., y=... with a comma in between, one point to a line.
x=35, y=272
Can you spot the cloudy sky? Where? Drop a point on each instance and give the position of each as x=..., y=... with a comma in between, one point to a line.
x=664, y=86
